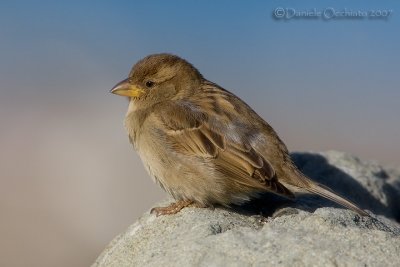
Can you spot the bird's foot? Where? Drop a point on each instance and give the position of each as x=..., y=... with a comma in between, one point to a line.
x=174, y=208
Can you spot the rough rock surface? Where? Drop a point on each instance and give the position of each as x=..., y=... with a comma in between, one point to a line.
x=308, y=232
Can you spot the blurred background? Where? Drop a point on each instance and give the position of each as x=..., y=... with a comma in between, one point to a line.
x=70, y=180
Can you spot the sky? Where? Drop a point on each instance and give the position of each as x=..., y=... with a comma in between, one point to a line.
x=339, y=74
x=68, y=170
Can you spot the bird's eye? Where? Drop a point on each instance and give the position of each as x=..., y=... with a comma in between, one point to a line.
x=149, y=84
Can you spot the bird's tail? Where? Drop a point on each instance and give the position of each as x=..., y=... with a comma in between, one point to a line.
x=326, y=192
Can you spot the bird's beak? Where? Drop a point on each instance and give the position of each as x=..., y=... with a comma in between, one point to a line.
x=125, y=88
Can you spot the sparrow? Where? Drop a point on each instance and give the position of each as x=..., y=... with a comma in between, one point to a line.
x=204, y=145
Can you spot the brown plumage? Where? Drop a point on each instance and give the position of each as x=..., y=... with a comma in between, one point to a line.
x=203, y=144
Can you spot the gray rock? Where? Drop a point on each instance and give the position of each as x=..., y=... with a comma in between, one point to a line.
x=308, y=232
x=368, y=184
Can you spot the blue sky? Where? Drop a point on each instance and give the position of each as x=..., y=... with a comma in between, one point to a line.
x=301, y=73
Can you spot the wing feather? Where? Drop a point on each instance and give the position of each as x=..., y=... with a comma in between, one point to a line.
x=193, y=132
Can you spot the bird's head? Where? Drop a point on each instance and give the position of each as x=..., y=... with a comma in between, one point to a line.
x=159, y=77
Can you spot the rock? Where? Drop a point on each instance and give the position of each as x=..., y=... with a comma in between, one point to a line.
x=308, y=232
x=368, y=184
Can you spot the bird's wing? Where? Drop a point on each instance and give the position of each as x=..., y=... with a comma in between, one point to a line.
x=193, y=132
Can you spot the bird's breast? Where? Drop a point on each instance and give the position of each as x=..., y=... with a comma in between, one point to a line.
x=134, y=123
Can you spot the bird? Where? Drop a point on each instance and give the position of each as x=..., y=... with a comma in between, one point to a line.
x=204, y=145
